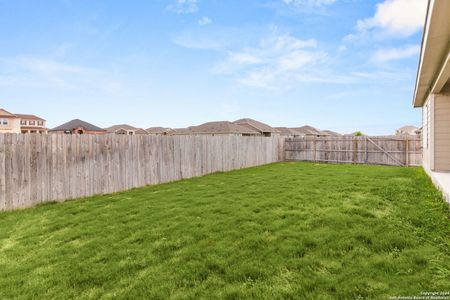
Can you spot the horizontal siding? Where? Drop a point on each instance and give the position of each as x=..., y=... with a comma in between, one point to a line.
x=442, y=133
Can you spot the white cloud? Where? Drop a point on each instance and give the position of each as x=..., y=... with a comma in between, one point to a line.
x=262, y=78
x=309, y=3
x=43, y=72
x=183, y=6
x=45, y=66
x=36, y=71
x=204, y=21
x=298, y=59
x=244, y=58
x=342, y=48
x=277, y=61
x=384, y=55
x=396, y=17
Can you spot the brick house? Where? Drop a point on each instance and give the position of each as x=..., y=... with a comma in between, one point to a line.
x=77, y=127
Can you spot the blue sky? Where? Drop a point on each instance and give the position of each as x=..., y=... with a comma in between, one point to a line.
x=343, y=65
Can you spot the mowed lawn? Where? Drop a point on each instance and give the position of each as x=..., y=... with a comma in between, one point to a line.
x=280, y=231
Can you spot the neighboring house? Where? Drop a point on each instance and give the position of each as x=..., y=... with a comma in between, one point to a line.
x=432, y=91
x=217, y=128
x=158, y=130
x=331, y=133
x=31, y=124
x=310, y=131
x=125, y=129
x=288, y=132
x=262, y=128
x=77, y=127
x=179, y=131
x=21, y=123
x=9, y=123
x=407, y=130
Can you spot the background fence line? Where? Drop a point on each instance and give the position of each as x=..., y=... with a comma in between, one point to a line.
x=400, y=151
x=38, y=168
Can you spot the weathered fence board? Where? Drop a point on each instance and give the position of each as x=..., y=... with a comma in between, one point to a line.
x=41, y=168
x=400, y=151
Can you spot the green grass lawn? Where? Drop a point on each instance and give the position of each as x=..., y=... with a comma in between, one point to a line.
x=287, y=230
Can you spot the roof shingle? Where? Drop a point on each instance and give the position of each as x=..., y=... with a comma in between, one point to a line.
x=77, y=123
x=253, y=124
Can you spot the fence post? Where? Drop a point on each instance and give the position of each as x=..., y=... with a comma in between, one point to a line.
x=315, y=149
x=365, y=148
x=407, y=152
x=355, y=149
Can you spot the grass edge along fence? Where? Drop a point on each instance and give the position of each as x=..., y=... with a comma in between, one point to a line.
x=376, y=150
x=38, y=168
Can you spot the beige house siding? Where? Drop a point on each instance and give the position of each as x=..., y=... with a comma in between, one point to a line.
x=427, y=125
x=441, y=132
x=13, y=125
x=436, y=132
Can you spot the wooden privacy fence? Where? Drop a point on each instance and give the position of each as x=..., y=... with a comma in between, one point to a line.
x=41, y=168
x=399, y=151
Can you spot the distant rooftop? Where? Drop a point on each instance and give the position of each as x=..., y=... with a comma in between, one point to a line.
x=127, y=127
x=29, y=117
x=157, y=130
x=221, y=127
x=5, y=113
x=77, y=123
x=284, y=131
x=253, y=124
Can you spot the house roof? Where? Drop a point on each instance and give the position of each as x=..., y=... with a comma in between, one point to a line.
x=5, y=113
x=221, y=127
x=179, y=131
x=434, y=66
x=410, y=129
x=29, y=117
x=157, y=130
x=115, y=128
x=77, y=123
x=331, y=133
x=284, y=131
x=253, y=124
x=141, y=131
x=308, y=130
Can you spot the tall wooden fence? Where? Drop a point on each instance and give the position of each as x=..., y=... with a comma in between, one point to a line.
x=41, y=168
x=399, y=151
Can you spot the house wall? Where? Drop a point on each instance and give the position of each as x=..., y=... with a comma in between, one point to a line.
x=436, y=132
x=13, y=125
x=427, y=128
x=441, y=132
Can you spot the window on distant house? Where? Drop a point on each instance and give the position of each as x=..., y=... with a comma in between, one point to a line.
x=40, y=123
x=23, y=122
x=4, y=121
x=32, y=122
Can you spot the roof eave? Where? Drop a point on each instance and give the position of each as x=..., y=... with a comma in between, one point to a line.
x=422, y=44
x=433, y=67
